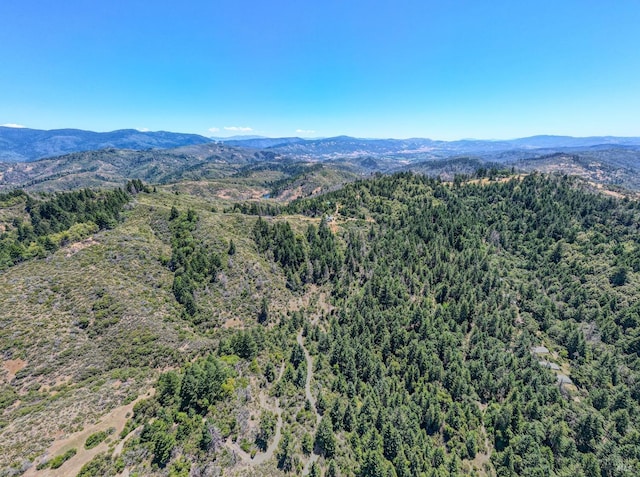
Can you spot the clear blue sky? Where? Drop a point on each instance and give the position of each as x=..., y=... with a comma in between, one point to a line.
x=443, y=69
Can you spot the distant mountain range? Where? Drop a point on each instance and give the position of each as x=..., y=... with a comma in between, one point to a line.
x=425, y=149
x=23, y=144
x=109, y=159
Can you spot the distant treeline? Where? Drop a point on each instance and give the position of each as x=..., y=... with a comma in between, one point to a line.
x=255, y=208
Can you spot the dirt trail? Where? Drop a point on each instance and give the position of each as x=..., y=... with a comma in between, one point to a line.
x=118, y=450
x=483, y=457
x=262, y=457
x=116, y=418
x=268, y=454
x=312, y=400
x=307, y=384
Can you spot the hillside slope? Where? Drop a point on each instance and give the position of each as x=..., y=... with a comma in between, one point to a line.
x=112, y=167
x=87, y=328
x=487, y=327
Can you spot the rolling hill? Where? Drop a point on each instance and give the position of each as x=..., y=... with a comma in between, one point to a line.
x=111, y=167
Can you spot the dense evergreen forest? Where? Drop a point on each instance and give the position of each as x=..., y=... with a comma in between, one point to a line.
x=471, y=328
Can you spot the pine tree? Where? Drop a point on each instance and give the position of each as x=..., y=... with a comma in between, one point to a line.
x=325, y=438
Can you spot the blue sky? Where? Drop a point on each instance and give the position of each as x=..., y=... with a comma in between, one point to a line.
x=443, y=69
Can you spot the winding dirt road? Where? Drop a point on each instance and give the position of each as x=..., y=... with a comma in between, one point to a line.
x=312, y=400
x=262, y=457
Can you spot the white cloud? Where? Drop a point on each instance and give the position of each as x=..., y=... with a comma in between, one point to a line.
x=214, y=130
x=305, y=131
x=238, y=129
x=12, y=125
x=143, y=129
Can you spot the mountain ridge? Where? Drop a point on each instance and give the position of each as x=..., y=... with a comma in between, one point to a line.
x=25, y=144
x=425, y=148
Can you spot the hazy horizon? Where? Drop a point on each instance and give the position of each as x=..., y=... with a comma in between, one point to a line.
x=311, y=138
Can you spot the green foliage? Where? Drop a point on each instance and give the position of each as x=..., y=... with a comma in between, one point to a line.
x=307, y=443
x=423, y=360
x=332, y=469
x=194, y=265
x=136, y=186
x=244, y=345
x=56, y=220
x=619, y=277
x=168, y=388
x=263, y=316
x=286, y=452
x=57, y=461
x=266, y=430
x=8, y=396
x=313, y=258
x=202, y=384
x=8, y=199
x=255, y=208
x=96, y=438
x=315, y=470
x=180, y=468
x=163, y=445
x=175, y=415
x=439, y=302
x=101, y=465
x=325, y=438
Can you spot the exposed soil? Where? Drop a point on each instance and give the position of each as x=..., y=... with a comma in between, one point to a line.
x=310, y=397
x=245, y=459
x=12, y=366
x=236, y=194
x=77, y=246
x=116, y=418
x=234, y=322
x=483, y=458
x=261, y=457
x=601, y=188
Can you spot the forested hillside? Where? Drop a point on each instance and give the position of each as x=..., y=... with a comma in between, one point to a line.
x=399, y=326
x=39, y=227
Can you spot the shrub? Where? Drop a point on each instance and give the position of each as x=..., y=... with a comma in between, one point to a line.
x=57, y=461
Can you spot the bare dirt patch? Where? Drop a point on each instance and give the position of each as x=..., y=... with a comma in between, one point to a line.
x=12, y=366
x=116, y=418
x=485, y=180
x=77, y=246
x=601, y=188
x=292, y=194
x=232, y=323
x=226, y=194
x=237, y=194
